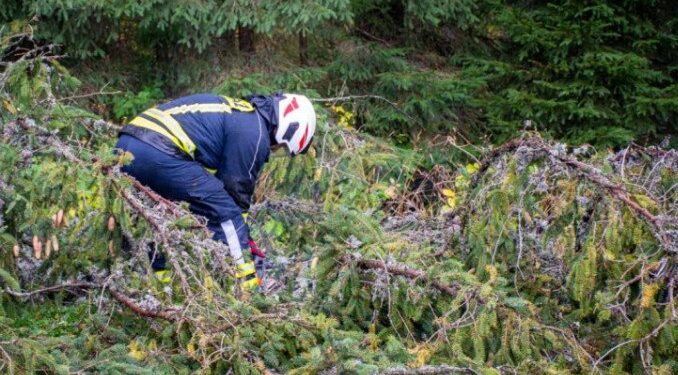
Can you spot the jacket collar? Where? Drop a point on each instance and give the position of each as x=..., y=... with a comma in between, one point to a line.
x=267, y=108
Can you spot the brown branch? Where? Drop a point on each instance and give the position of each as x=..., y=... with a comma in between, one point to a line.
x=141, y=211
x=166, y=314
x=372, y=36
x=172, y=206
x=615, y=190
x=429, y=370
x=603, y=181
x=154, y=196
x=410, y=273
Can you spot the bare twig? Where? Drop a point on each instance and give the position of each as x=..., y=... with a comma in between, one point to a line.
x=429, y=370
x=88, y=95
x=52, y=289
x=354, y=97
x=597, y=361
x=372, y=36
x=362, y=97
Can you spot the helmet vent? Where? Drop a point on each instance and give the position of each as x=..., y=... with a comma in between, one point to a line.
x=290, y=131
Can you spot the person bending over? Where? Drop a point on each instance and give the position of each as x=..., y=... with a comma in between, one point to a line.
x=208, y=150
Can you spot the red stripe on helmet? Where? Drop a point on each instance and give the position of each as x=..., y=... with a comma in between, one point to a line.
x=291, y=107
x=302, y=142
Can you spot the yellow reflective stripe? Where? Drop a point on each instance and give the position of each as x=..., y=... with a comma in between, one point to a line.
x=164, y=276
x=252, y=283
x=143, y=123
x=211, y=170
x=174, y=127
x=242, y=274
x=210, y=107
x=239, y=104
x=245, y=266
x=245, y=269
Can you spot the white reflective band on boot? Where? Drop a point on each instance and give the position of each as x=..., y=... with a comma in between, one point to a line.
x=233, y=241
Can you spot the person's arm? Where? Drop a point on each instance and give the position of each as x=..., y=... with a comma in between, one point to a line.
x=247, y=149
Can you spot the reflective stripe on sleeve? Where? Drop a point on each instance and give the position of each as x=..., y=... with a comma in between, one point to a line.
x=205, y=108
x=233, y=241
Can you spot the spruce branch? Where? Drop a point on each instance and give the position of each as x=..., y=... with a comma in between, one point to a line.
x=402, y=270
x=594, y=175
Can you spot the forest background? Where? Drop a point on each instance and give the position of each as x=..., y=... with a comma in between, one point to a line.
x=492, y=188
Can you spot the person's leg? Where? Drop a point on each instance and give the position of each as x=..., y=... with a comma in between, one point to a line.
x=146, y=167
x=187, y=180
x=154, y=168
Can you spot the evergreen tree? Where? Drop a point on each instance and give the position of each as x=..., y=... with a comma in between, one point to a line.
x=586, y=71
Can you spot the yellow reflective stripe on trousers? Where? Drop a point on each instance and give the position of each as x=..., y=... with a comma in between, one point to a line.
x=205, y=108
x=245, y=269
x=143, y=123
x=251, y=283
x=164, y=276
x=174, y=128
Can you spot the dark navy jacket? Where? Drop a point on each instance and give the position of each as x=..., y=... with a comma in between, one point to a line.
x=230, y=137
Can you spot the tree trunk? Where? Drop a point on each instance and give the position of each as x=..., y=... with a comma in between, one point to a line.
x=226, y=44
x=397, y=13
x=246, y=40
x=303, y=49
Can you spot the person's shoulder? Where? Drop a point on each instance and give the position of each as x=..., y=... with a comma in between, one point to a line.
x=201, y=98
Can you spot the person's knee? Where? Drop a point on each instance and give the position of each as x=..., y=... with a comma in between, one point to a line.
x=215, y=228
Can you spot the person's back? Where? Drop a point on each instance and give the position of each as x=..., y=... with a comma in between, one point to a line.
x=207, y=120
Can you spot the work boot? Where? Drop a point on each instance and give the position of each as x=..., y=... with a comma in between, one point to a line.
x=159, y=265
x=246, y=273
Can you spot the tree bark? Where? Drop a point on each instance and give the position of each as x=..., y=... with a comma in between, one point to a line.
x=246, y=40
x=397, y=13
x=303, y=49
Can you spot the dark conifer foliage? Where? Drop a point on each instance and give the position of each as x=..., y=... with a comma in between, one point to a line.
x=492, y=189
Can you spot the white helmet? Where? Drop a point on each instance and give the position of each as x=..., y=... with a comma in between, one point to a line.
x=296, y=123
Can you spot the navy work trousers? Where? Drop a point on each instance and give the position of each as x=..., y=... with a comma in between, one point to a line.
x=185, y=180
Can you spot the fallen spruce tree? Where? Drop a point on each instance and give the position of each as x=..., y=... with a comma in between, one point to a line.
x=535, y=257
